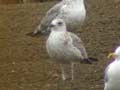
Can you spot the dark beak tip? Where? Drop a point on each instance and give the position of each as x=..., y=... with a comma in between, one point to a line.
x=51, y=25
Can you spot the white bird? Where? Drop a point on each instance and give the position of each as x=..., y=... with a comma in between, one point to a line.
x=65, y=47
x=73, y=12
x=112, y=72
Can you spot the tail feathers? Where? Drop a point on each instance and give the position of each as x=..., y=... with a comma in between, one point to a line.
x=42, y=32
x=93, y=59
x=33, y=34
x=89, y=60
x=38, y=33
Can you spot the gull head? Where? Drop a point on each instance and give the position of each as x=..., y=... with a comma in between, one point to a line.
x=116, y=54
x=58, y=25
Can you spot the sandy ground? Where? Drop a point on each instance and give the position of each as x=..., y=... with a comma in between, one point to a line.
x=23, y=59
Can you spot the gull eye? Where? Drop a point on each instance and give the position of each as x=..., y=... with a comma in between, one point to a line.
x=60, y=23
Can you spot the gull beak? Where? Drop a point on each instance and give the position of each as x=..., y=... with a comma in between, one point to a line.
x=111, y=56
x=51, y=25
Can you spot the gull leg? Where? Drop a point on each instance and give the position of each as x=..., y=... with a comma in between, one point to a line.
x=72, y=70
x=62, y=71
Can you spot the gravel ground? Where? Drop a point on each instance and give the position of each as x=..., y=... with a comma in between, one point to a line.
x=24, y=61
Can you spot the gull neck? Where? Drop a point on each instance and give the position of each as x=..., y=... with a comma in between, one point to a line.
x=61, y=29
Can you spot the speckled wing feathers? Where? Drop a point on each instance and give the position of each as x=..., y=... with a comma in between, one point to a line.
x=50, y=15
x=77, y=42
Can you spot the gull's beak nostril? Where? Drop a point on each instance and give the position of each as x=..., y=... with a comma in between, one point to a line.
x=51, y=25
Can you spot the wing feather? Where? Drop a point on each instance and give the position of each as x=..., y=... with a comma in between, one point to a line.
x=77, y=42
x=50, y=15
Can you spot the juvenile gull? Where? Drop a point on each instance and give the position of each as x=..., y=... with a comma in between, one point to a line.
x=112, y=72
x=65, y=47
x=71, y=11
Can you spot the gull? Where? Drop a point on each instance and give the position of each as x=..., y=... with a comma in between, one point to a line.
x=65, y=47
x=112, y=72
x=73, y=12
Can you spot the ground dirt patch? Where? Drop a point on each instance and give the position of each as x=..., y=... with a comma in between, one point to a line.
x=23, y=59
